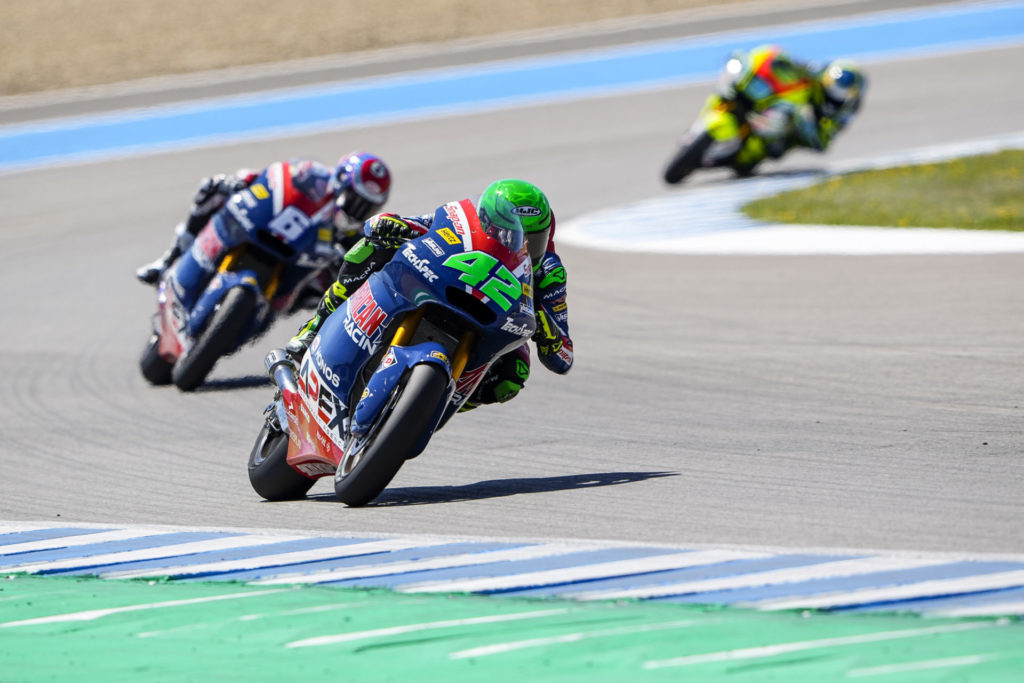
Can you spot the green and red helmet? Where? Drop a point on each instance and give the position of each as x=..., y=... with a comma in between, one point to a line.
x=533, y=209
x=498, y=218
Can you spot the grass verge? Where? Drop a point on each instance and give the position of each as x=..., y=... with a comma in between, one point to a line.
x=984, y=192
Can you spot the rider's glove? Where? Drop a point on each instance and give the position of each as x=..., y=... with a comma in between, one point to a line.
x=548, y=336
x=389, y=231
x=213, y=191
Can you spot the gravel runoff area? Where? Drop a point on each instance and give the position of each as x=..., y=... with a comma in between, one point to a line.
x=55, y=44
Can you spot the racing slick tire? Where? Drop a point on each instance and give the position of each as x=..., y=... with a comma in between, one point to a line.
x=269, y=473
x=408, y=416
x=220, y=338
x=688, y=159
x=155, y=369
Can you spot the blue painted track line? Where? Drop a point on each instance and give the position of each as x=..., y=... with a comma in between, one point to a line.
x=269, y=549
x=513, y=568
x=144, y=542
x=581, y=570
x=363, y=560
x=704, y=572
x=840, y=584
x=496, y=85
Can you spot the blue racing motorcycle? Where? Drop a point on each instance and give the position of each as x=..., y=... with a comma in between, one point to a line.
x=395, y=361
x=263, y=252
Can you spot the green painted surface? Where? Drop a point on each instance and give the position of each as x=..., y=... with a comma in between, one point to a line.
x=83, y=629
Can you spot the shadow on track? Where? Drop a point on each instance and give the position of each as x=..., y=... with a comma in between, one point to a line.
x=497, y=488
x=716, y=177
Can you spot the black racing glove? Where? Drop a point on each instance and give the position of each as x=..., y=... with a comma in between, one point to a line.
x=389, y=231
x=548, y=336
x=217, y=188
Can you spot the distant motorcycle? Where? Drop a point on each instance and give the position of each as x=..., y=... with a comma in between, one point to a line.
x=726, y=122
x=395, y=362
x=277, y=253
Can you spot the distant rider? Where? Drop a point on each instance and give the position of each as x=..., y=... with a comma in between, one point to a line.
x=386, y=232
x=788, y=103
x=335, y=203
x=340, y=200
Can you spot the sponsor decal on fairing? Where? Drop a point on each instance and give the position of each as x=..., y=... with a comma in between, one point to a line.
x=326, y=408
x=239, y=212
x=249, y=200
x=449, y=236
x=315, y=468
x=433, y=247
x=325, y=370
x=421, y=265
x=456, y=216
x=364, y=319
x=521, y=330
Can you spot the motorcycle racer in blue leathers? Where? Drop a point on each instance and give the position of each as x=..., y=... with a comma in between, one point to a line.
x=386, y=232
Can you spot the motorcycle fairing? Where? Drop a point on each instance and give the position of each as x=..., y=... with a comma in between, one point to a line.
x=316, y=419
x=283, y=214
x=169, y=322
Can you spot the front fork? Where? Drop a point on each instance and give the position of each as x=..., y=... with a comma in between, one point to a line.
x=398, y=358
x=230, y=263
x=407, y=328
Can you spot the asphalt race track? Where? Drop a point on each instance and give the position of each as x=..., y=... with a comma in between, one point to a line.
x=825, y=401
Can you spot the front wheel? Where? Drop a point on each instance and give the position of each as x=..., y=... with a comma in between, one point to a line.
x=154, y=368
x=688, y=159
x=219, y=338
x=269, y=472
x=372, y=461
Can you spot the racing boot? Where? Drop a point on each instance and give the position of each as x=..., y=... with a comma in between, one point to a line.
x=503, y=381
x=151, y=273
x=332, y=298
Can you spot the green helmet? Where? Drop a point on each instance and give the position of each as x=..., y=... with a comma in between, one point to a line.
x=533, y=210
x=499, y=219
x=531, y=204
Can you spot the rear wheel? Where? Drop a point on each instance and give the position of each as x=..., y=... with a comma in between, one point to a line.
x=688, y=159
x=269, y=472
x=219, y=338
x=372, y=461
x=154, y=368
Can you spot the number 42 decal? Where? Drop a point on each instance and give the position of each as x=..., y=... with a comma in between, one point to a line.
x=498, y=281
